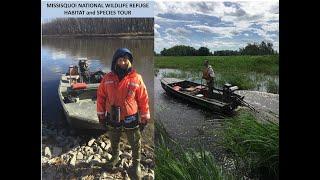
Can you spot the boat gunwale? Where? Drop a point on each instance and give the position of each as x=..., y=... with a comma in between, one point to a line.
x=215, y=102
x=66, y=109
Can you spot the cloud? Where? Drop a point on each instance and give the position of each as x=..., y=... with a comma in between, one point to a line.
x=225, y=32
x=178, y=31
x=209, y=8
x=156, y=33
x=222, y=45
x=172, y=37
x=159, y=19
x=238, y=12
x=269, y=27
x=233, y=9
x=156, y=26
x=274, y=9
x=205, y=7
x=276, y=45
x=217, y=24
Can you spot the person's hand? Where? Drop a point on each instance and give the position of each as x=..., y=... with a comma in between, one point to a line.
x=102, y=119
x=142, y=125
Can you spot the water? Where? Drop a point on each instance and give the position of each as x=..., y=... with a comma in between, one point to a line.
x=260, y=82
x=189, y=124
x=59, y=53
x=183, y=121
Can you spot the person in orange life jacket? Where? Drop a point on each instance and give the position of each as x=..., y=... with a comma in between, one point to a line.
x=123, y=90
x=208, y=75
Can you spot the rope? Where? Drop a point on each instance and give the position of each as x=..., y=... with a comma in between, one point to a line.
x=244, y=103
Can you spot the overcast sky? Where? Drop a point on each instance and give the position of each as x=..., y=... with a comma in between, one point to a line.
x=216, y=25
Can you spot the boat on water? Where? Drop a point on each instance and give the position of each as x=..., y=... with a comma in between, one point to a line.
x=78, y=93
x=223, y=101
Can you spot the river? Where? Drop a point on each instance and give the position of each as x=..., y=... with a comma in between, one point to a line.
x=189, y=123
x=59, y=53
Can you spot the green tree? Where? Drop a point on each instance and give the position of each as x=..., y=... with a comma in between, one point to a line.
x=179, y=50
x=203, y=51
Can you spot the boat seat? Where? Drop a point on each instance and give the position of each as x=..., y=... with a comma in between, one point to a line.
x=66, y=78
x=73, y=77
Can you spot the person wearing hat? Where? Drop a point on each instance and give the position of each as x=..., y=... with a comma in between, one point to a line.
x=208, y=75
x=122, y=106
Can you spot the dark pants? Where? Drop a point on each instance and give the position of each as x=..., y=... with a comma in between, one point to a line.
x=210, y=86
x=134, y=139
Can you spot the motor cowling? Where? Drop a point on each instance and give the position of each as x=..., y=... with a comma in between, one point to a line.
x=228, y=88
x=83, y=65
x=228, y=92
x=233, y=88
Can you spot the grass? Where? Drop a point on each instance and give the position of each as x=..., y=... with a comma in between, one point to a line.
x=268, y=64
x=253, y=145
x=272, y=87
x=241, y=80
x=235, y=70
x=182, y=74
x=175, y=162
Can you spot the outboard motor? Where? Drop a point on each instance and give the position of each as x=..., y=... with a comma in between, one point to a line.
x=235, y=99
x=228, y=88
x=228, y=91
x=84, y=70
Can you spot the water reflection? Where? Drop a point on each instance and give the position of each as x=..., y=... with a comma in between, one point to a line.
x=59, y=53
x=182, y=120
x=102, y=49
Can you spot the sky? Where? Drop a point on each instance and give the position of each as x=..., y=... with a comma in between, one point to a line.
x=217, y=25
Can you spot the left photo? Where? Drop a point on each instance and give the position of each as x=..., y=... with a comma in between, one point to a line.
x=97, y=98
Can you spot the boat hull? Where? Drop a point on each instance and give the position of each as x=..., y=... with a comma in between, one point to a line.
x=211, y=104
x=80, y=115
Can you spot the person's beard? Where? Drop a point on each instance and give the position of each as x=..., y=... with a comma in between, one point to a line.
x=122, y=71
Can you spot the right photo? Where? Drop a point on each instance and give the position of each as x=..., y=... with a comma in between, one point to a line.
x=216, y=89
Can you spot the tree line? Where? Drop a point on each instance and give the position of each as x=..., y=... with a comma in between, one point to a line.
x=87, y=26
x=182, y=50
x=250, y=49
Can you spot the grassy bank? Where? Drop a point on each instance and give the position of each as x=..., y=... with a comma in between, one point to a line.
x=175, y=162
x=253, y=145
x=246, y=72
x=225, y=64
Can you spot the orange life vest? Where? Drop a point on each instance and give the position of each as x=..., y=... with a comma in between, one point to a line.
x=79, y=86
x=130, y=94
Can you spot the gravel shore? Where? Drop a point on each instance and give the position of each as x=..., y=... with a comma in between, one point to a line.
x=67, y=156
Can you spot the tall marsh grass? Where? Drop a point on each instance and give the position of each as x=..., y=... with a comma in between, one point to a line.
x=175, y=162
x=272, y=87
x=240, y=80
x=253, y=145
x=268, y=64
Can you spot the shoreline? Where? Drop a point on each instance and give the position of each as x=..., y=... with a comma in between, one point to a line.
x=121, y=36
x=67, y=156
x=267, y=64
